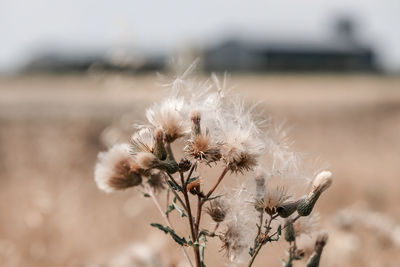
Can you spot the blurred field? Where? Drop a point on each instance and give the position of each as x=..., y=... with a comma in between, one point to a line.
x=52, y=214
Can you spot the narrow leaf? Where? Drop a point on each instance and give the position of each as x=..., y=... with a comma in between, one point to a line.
x=179, y=209
x=180, y=240
x=174, y=186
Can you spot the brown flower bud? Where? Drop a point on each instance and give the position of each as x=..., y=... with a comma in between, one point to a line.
x=184, y=165
x=194, y=187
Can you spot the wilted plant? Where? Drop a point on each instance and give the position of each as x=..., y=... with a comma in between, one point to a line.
x=221, y=133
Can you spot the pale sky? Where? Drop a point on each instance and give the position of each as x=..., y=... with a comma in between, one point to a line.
x=162, y=25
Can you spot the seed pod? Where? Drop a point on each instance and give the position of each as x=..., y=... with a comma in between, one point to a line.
x=288, y=208
x=290, y=234
x=307, y=204
x=321, y=182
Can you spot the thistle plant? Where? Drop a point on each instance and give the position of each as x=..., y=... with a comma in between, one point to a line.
x=263, y=176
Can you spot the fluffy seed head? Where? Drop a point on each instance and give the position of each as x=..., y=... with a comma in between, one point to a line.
x=272, y=200
x=217, y=210
x=200, y=147
x=242, y=162
x=322, y=182
x=169, y=116
x=147, y=160
x=237, y=130
x=116, y=169
x=232, y=241
x=142, y=141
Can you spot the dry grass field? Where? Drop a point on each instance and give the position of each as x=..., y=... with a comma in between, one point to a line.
x=52, y=127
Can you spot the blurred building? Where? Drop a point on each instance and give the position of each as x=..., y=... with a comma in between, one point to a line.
x=340, y=53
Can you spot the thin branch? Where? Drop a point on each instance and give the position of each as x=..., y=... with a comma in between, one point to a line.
x=286, y=225
x=198, y=215
x=191, y=171
x=166, y=219
x=192, y=229
x=259, y=228
x=260, y=244
x=167, y=201
x=176, y=195
x=225, y=171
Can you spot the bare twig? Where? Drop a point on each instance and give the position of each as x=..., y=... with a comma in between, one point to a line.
x=192, y=228
x=262, y=242
x=166, y=219
x=176, y=195
x=225, y=171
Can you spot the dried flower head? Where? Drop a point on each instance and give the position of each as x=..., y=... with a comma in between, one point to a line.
x=237, y=129
x=239, y=158
x=116, y=169
x=142, y=141
x=169, y=116
x=232, y=241
x=217, y=210
x=201, y=147
x=272, y=200
x=322, y=182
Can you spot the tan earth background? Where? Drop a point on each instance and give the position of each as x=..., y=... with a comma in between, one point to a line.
x=52, y=127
